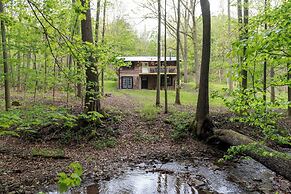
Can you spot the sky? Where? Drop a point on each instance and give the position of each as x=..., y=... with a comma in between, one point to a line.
x=134, y=13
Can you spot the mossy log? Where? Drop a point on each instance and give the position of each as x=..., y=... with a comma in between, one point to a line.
x=280, y=165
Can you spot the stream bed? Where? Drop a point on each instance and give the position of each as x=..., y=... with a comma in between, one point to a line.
x=152, y=177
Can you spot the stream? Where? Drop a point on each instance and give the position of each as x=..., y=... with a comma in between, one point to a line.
x=184, y=178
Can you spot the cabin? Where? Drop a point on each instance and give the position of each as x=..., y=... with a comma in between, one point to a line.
x=141, y=73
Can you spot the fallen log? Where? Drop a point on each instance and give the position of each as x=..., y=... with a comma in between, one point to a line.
x=280, y=165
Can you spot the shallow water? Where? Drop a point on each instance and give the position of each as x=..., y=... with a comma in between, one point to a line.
x=169, y=178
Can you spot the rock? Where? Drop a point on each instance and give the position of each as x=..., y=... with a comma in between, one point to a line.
x=214, y=168
x=197, y=183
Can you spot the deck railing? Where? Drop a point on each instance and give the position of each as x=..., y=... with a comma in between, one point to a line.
x=155, y=70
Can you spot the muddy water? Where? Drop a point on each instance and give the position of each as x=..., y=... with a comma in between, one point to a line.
x=170, y=178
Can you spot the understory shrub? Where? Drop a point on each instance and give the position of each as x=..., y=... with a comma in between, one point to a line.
x=72, y=179
x=181, y=122
x=149, y=112
x=56, y=123
x=105, y=143
x=250, y=108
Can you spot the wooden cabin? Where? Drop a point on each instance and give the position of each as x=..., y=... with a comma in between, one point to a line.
x=142, y=73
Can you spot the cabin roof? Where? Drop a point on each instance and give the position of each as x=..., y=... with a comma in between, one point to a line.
x=146, y=59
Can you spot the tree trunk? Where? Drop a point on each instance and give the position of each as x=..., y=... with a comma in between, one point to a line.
x=55, y=78
x=45, y=70
x=203, y=97
x=36, y=76
x=195, y=43
x=265, y=61
x=230, y=82
x=97, y=21
x=185, y=56
x=244, y=72
x=5, y=60
x=289, y=89
x=18, y=71
x=273, y=95
x=158, y=95
x=165, y=61
x=280, y=165
x=103, y=40
x=178, y=86
x=92, y=98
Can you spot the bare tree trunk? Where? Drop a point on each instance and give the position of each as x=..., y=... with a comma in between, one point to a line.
x=178, y=87
x=203, y=97
x=36, y=76
x=158, y=95
x=103, y=40
x=273, y=95
x=230, y=82
x=5, y=60
x=55, y=78
x=244, y=72
x=185, y=55
x=79, y=66
x=195, y=44
x=92, y=98
x=289, y=89
x=97, y=21
x=165, y=61
x=265, y=61
x=18, y=71
x=69, y=62
x=45, y=71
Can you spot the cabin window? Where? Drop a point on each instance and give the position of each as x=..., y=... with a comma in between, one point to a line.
x=169, y=80
x=126, y=82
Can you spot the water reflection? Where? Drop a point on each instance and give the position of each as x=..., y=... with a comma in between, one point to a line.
x=139, y=182
x=180, y=180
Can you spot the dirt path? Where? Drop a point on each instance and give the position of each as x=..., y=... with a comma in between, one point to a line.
x=138, y=141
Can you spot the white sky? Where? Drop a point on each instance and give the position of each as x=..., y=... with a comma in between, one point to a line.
x=134, y=14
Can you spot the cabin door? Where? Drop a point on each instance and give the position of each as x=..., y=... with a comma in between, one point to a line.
x=127, y=82
x=144, y=83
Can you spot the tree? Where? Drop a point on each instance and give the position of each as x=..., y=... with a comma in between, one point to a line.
x=5, y=59
x=97, y=21
x=178, y=85
x=265, y=62
x=289, y=88
x=103, y=41
x=185, y=37
x=230, y=82
x=244, y=72
x=195, y=43
x=202, y=120
x=158, y=95
x=165, y=61
x=92, y=98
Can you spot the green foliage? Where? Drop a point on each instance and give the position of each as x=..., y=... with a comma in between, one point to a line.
x=92, y=117
x=105, y=143
x=9, y=133
x=251, y=108
x=181, y=122
x=149, y=112
x=67, y=181
x=48, y=153
x=141, y=136
x=31, y=119
x=257, y=148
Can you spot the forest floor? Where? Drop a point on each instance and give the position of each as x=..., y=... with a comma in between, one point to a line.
x=139, y=140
